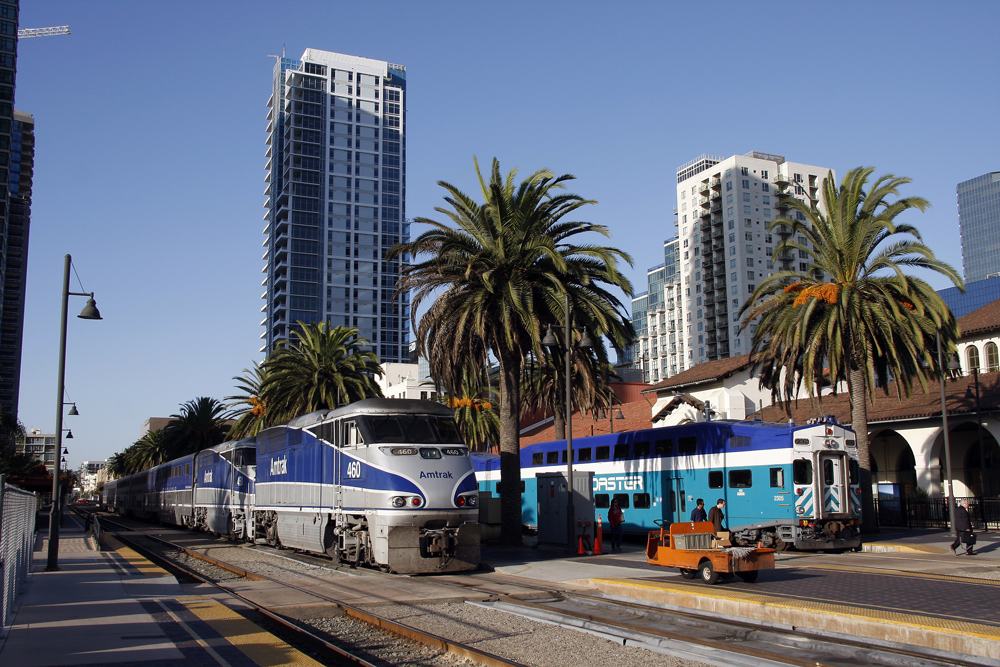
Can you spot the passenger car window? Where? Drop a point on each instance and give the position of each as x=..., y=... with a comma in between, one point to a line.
x=715, y=479
x=740, y=479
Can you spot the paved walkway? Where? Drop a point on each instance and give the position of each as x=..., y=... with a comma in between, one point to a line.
x=115, y=608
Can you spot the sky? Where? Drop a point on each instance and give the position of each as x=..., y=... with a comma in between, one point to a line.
x=150, y=128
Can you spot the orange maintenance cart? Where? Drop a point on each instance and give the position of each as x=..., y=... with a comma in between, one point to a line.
x=694, y=549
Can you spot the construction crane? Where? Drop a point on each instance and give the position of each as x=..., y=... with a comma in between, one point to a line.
x=25, y=33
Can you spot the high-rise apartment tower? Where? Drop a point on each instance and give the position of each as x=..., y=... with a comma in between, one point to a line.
x=16, y=154
x=979, y=220
x=336, y=162
x=722, y=251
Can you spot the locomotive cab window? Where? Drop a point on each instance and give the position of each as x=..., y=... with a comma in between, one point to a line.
x=621, y=452
x=740, y=479
x=664, y=447
x=777, y=478
x=687, y=445
x=584, y=454
x=715, y=479
x=447, y=430
x=602, y=453
x=641, y=450
x=352, y=436
x=602, y=501
x=802, y=471
x=855, y=471
x=640, y=501
x=551, y=457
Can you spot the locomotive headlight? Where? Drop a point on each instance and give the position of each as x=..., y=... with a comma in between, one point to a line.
x=398, y=501
x=473, y=500
x=800, y=509
x=460, y=501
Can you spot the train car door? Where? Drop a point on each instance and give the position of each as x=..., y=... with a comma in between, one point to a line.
x=833, y=482
x=677, y=509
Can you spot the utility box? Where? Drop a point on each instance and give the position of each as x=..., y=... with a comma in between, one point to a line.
x=553, y=499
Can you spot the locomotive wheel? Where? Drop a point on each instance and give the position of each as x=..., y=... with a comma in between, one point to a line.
x=749, y=577
x=688, y=574
x=708, y=573
x=781, y=545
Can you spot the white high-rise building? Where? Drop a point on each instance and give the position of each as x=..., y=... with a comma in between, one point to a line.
x=336, y=162
x=722, y=251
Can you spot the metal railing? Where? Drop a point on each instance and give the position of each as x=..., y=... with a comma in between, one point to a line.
x=17, y=531
x=933, y=513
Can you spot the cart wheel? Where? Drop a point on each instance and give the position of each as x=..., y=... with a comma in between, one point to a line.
x=749, y=577
x=708, y=573
x=688, y=574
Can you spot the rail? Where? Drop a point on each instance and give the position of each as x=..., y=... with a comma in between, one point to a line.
x=933, y=513
x=17, y=531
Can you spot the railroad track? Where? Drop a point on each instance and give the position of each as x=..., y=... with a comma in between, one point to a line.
x=294, y=632
x=685, y=636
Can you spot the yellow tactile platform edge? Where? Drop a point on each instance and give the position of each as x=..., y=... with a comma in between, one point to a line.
x=911, y=620
x=133, y=558
x=262, y=647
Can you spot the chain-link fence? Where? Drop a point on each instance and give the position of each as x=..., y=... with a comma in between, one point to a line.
x=17, y=531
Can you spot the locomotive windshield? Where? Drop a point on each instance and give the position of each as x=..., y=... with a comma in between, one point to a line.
x=413, y=429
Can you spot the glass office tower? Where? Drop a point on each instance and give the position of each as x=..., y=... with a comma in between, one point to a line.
x=979, y=219
x=336, y=162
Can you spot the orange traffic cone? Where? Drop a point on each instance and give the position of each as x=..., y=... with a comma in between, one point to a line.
x=579, y=550
x=599, y=538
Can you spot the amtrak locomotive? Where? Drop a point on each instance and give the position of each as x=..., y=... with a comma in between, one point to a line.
x=784, y=485
x=380, y=482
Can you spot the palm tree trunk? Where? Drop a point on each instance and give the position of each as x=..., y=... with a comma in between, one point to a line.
x=859, y=422
x=510, y=450
x=559, y=422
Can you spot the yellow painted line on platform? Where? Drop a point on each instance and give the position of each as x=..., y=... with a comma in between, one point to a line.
x=798, y=604
x=134, y=558
x=904, y=548
x=262, y=647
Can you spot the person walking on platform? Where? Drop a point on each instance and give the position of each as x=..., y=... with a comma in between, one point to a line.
x=616, y=518
x=717, y=516
x=698, y=513
x=963, y=530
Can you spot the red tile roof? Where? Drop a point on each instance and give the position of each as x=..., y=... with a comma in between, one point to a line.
x=960, y=399
x=980, y=320
x=706, y=372
x=637, y=415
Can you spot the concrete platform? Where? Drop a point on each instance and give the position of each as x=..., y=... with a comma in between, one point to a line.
x=115, y=608
x=908, y=589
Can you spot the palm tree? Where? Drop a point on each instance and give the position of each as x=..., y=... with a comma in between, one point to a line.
x=251, y=415
x=200, y=424
x=12, y=432
x=543, y=387
x=853, y=310
x=476, y=410
x=498, y=276
x=148, y=451
x=326, y=367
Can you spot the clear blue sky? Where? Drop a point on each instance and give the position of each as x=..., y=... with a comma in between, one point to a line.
x=150, y=129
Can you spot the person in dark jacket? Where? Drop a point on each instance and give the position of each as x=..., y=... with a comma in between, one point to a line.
x=963, y=526
x=717, y=516
x=698, y=513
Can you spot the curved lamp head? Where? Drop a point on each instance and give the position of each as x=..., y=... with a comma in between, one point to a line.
x=550, y=339
x=90, y=311
x=72, y=410
x=69, y=435
x=585, y=342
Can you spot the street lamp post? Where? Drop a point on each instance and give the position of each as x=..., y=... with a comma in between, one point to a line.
x=585, y=342
x=949, y=495
x=89, y=312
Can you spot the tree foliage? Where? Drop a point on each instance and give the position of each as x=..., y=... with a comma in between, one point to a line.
x=496, y=275
x=854, y=313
